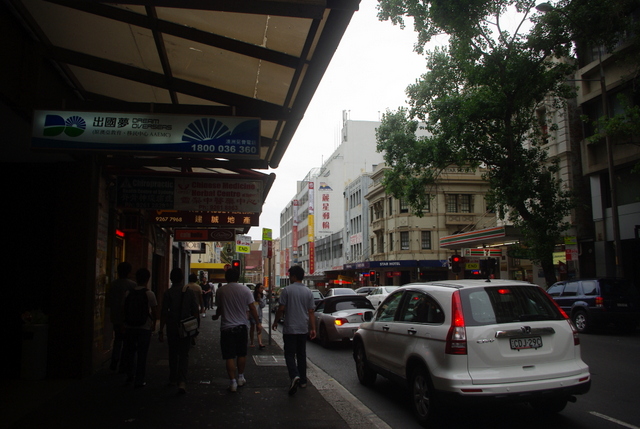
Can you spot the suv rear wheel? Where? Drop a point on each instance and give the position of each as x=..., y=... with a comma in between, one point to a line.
x=581, y=321
x=422, y=395
x=366, y=375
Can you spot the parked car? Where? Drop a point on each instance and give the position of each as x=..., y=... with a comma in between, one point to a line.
x=340, y=291
x=597, y=302
x=364, y=290
x=338, y=317
x=378, y=294
x=473, y=340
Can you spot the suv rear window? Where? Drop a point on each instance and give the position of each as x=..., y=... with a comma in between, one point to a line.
x=616, y=288
x=490, y=305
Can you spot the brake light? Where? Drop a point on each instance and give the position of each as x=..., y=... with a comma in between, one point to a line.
x=599, y=301
x=457, y=336
x=341, y=321
x=576, y=338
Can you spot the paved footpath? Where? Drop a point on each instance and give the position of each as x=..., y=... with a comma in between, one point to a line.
x=103, y=400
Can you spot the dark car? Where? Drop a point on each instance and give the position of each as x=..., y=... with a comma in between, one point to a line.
x=598, y=302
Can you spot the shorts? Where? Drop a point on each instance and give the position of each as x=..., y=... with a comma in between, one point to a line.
x=233, y=342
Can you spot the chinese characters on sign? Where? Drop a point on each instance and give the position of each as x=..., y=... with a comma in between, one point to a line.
x=224, y=136
x=189, y=194
x=184, y=218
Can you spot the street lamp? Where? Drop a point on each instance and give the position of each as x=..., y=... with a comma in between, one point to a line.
x=615, y=220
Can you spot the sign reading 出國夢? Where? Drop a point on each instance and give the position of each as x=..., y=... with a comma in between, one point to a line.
x=223, y=136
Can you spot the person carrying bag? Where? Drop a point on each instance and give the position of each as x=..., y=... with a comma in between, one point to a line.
x=180, y=317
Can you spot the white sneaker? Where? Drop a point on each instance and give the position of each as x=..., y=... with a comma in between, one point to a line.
x=233, y=387
x=294, y=385
x=241, y=380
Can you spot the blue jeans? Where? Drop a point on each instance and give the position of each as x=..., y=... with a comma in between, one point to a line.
x=295, y=355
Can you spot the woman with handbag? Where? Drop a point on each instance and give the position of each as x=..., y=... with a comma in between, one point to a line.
x=179, y=308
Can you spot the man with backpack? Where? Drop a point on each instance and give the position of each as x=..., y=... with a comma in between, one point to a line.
x=140, y=321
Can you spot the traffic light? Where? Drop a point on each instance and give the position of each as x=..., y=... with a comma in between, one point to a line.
x=372, y=274
x=235, y=264
x=456, y=263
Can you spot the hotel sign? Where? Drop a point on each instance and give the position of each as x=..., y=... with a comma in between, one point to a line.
x=197, y=136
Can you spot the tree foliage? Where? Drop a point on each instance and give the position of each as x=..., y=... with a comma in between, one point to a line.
x=481, y=101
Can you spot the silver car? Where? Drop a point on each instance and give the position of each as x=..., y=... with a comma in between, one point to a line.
x=473, y=340
x=338, y=317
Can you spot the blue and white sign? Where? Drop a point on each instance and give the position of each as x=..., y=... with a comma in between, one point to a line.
x=225, y=137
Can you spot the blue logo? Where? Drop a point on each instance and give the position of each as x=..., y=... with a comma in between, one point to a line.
x=55, y=125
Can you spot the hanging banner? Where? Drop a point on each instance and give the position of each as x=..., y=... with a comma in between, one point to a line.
x=220, y=136
x=311, y=236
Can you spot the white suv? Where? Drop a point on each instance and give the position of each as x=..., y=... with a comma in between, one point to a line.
x=473, y=339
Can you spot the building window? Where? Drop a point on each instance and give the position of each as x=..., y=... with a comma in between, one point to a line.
x=404, y=240
x=425, y=240
x=380, y=243
x=458, y=203
x=391, y=241
x=390, y=206
x=404, y=206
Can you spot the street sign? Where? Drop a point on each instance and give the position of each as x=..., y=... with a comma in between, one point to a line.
x=243, y=244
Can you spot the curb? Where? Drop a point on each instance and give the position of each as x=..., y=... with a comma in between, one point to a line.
x=355, y=413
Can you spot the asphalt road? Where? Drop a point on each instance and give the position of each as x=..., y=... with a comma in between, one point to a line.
x=612, y=403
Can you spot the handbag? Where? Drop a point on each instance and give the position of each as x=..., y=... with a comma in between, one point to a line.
x=188, y=327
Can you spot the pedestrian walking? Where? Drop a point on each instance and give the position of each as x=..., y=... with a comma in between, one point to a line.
x=233, y=300
x=296, y=305
x=140, y=321
x=178, y=303
x=115, y=302
x=260, y=303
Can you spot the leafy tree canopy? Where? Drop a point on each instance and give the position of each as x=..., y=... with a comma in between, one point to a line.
x=483, y=101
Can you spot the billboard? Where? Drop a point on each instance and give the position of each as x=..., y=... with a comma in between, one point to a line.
x=227, y=137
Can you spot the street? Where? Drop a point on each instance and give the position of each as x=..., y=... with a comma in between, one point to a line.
x=611, y=403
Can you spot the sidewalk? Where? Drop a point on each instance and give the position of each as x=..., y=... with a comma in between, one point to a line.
x=103, y=401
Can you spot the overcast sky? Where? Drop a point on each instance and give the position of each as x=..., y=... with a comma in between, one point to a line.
x=368, y=74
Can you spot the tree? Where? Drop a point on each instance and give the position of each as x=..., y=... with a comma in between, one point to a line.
x=481, y=101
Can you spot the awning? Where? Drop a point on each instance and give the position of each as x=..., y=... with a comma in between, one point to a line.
x=252, y=58
x=480, y=237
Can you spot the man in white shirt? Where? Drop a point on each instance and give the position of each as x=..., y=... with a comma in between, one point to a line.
x=233, y=301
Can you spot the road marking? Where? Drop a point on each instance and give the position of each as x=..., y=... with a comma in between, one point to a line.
x=611, y=419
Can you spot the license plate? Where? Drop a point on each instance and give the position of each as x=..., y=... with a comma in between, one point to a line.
x=622, y=304
x=525, y=343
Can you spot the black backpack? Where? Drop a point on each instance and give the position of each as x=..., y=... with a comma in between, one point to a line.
x=136, y=307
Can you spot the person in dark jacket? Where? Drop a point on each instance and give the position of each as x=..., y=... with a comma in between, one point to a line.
x=178, y=303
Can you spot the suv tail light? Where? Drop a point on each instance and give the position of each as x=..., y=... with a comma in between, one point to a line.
x=576, y=338
x=457, y=336
x=599, y=301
